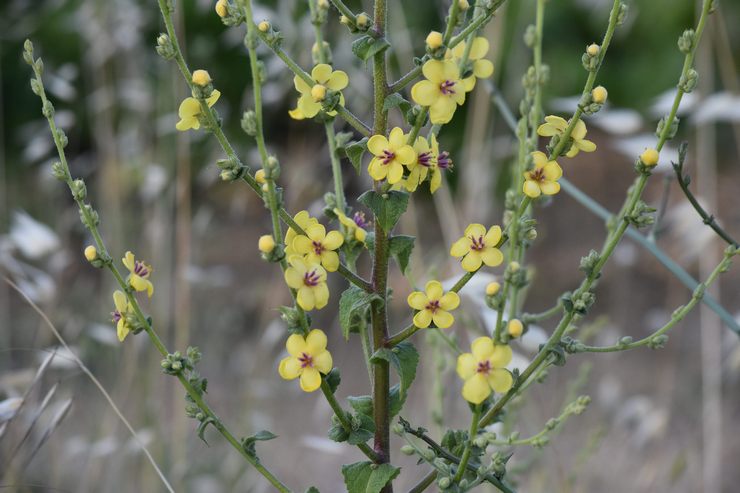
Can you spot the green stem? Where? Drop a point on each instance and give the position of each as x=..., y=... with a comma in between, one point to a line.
x=344, y=10
x=468, y=445
x=538, y=317
x=452, y=21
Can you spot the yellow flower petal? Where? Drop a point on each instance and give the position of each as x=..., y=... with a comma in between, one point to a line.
x=466, y=365
x=321, y=295
x=424, y=93
x=306, y=298
x=442, y=319
x=417, y=300
x=211, y=100
x=493, y=236
x=552, y=171
x=377, y=144
x=293, y=278
x=316, y=342
x=333, y=240
x=120, y=301
x=492, y=257
x=310, y=379
x=449, y=301
x=122, y=330
x=296, y=345
x=550, y=187
x=321, y=73
x=579, y=131
x=337, y=81
x=472, y=261
x=330, y=260
x=323, y=362
x=189, y=108
x=557, y=122
x=377, y=170
x=586, y=145
x=396, y=139
x=308, y=107
x=476, y=389
x=482, y=348
x=500, y=380
x=296, y=114
x=434, y=71
x=460, y=247
x=501, y=356
x=406, y=154
x=531, y=189
x=433, y=290
x=479, y=48
x=289, y=368
x=475, y=230
x=539, y=158
x=316, y=232
x=301, y=86
x=395, y=172
x=436, y=180
x=423, y=319
x=302, y=244
x=483, y=69
x=129, y=261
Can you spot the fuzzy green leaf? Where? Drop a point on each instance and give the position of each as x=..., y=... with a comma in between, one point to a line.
x=353, y=306
x=248, y=444
x=362, y=404
x=386, y=207
x=333, y=379
x=401, y=247
x=366, y=46
x=355, y=151
x=366, y=477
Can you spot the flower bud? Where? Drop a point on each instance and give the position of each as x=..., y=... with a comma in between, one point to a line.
x=407, y=450
x=434, y=40
x=344, y=20
x=91, y=253
x=649, y=157
x=201, y=78
x=514, y=266
x=363, y=21
x=79, y=190
x=599, y=94
x=318, y=92
x=59, y=172
x=463, y=5
x=263, y=26
x=222, y=8
x=266, y=244
x=259, y=176
x=492, y=288
x=515, y=327
x=593, y=49
x=265, y=188
x=323, y=4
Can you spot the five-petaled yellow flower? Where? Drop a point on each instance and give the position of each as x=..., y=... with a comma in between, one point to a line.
x=482, y=68
x=309, y=279
x=319, y=247
x=434, y=305
x=309, y=103
x=442, y=90
x=478, y=247
x=355, y=225
x=123, y=307
x=484, y=370
x=390, y=156
x=140, y=271
x=543, y=178
x=190, y=110
x=302, y=219
x=308, y=359
x=556, y=126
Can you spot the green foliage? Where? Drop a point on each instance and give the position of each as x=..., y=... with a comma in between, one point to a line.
x=366, y=477
x=367, y=46
x=401, y=247
x=353, y=309
x=386, y=207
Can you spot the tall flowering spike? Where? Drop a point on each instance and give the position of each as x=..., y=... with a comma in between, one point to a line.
x=308, y=359
x=478, y=247
x=482, y=68
x=309, y=102
x=119, y=315
x=304, y=220
x=190, y=111
x=318, y=247
x=309, y=280
x=433, y=305
x=139, y=272
x=543, y=179
x=442, y=90
x=483, y=370
x=556, y=126
x=390, y=155
x=356, y=225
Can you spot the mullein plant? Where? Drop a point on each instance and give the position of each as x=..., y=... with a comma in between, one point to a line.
x=309, y=250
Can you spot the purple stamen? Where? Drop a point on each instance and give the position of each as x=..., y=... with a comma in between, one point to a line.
x=117, y=316
x=538, y=174
x=444, y=161
x=140, y=269
x=359, y=219
x=317, y=247
x=387, y=156
x=484, y=367
x=306, y=360
x=432, y=306
x=311, y=278
x=447, y=87
x=425, y=159
x=478, y=243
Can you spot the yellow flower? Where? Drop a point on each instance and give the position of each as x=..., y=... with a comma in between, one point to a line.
x=390, y=156
x=434, y=40
x=189, y=111
x=593, y=49
x=263, y=26
x=483, y=370
x=556, y=126
x=266, y=244
x=91, y=253
x=478, y=247
x=355, y=225
x=222, y=8
x=649, y=157
x=319, y=246
x=304, y=220
x=308, y=359
x=515, y=327
x=599, y=94
x=259, y=176
x=123, y=307
x=201, y=78
x=543, y=178
x=309, y=279
x=492, y=288
x=482, y=68
x=434, y=305
x=140, y=271
x=323, y=76
x=442, y=90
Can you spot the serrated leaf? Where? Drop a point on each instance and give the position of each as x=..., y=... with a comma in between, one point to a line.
x=366, y=46
x=366, y=477
x=353, y=306
x=386, y=207
x=396, y=100
x=355, y=151
x=404, y=359
x=401, y=247
x=396, y=400
x=341, y=139
x=338, y=433
x=333, y=379
x=362, y=404
x=248, y=444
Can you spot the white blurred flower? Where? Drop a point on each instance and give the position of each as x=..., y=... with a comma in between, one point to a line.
x=718, y=107
x=618, y=121
x=664, y=102
x=33, y=238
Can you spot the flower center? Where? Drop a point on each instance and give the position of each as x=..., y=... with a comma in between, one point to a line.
x=311, y=278
x=359, y=219
x=477, y=243
x=117, y=316
x=425, y=159
x=317, y=247
x=538, y=174
x=484, y=367
x=432, y=306
x=387, y=156
x=447, y=87
x=444, y=161
x=141, y=269
x=306, y=360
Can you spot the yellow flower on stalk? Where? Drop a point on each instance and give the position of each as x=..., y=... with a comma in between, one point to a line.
x=482, y=68
x=355, y=225
x=478, y=247
x=309, y=279
x=139, y=272
x=302, y=219
x=318, y=246
x=309, y=103
x=308, y=359
x=390, y=156
x=483, y=370
x=123, y=307
x=190, y=110
x=556, y=126
x=434, y=305
x=543, y=178
x=442, y=90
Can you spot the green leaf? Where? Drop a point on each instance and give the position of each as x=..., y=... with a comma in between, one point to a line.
x=313, y=489
x=361, y=404
x=366, y=477
x=353, y=306
x=404, y=359
x=341, y=139
x=401, y=247
x=333, y=379
x=366, y=46
x=338, y=433
x=387, y=207
x=396, y=400
x=364, y=432
x=355, y=151
x=396, y=100
x=248, y=444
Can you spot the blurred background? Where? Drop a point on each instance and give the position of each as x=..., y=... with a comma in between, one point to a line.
x=666, y=420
